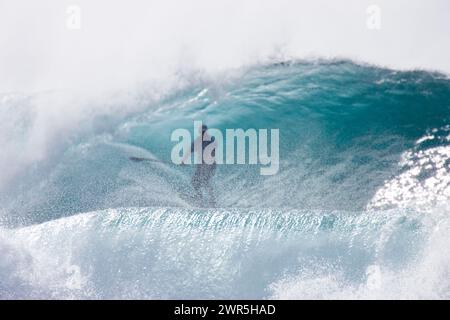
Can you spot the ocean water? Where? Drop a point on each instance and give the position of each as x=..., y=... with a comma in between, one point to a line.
x=359, y=208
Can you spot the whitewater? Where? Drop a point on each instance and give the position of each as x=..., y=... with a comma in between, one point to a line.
x=358, y=209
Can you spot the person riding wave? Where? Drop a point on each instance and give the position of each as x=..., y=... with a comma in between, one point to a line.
x=201, y=180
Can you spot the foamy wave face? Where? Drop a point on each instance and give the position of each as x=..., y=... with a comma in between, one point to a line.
x=176, y=253
x=35, y=274
x=426, y=277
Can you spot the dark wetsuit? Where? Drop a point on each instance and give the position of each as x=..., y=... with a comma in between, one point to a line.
x=203, y=172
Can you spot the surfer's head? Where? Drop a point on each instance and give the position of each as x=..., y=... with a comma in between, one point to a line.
x=203, y=129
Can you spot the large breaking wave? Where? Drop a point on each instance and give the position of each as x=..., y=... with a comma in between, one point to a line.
x=358, y=209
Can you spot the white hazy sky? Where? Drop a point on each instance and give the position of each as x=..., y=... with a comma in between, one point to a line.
x=124, y=42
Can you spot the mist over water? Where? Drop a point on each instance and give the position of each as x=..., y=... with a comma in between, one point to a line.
x=122, y=44
x=357, y=210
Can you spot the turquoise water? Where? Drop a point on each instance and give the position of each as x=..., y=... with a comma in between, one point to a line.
x=358, y=208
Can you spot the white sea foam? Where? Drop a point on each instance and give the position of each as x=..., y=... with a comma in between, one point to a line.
x=229, y=253
x=427, y=277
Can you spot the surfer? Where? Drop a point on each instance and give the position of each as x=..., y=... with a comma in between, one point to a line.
x=201, y=180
